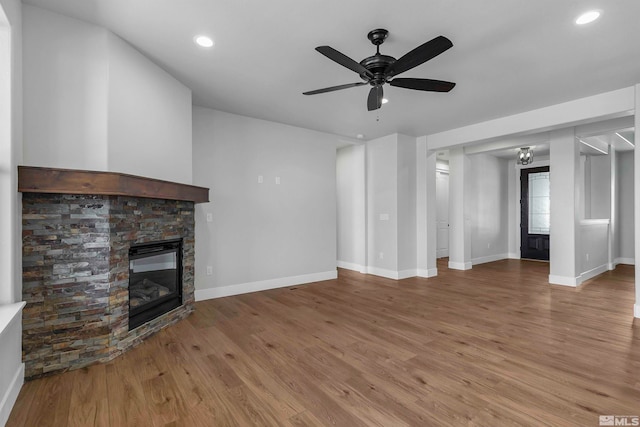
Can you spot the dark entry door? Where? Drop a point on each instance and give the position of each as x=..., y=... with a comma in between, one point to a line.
x=535, y=213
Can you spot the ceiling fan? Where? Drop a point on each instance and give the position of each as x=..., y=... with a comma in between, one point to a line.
x=379, y=69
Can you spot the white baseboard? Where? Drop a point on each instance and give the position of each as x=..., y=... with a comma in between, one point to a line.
x=513, y=255
x=460, y=265
x=383, y=272
x=405, y=274
x=593, y=272
x=564, y=280
x=263, y=285
x=351, y=266
x=11, y=395
x=636, y=310
x=629, y=261
x=490, y=258
x=431, y=272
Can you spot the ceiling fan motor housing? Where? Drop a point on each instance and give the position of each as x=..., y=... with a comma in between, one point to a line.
x=377, y=64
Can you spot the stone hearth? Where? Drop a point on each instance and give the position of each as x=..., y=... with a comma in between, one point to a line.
x=76, y=274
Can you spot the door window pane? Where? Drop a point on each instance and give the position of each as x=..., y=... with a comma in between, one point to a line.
x=539, y=203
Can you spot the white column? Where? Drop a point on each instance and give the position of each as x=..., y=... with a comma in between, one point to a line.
x=426, y=210
x=636, y=198
x=459, y=233
x=565, y=207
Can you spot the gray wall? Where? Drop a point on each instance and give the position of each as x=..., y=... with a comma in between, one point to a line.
x=351, y=207
x=407, y=256
x=93, y=102
x=382, y=199
x=625, y=225
x=488, y=206
x=261, y=231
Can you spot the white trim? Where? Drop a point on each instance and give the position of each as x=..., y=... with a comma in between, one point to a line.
x=489, y=258
x=351, y=266
x=405, y=274
x=587, y=222
x=636, y=310
x=513, y=255
x=564, y=280
x=572, y=113
x=9, y=312
x=11, y=395
x=382, y=272
x=432, y=272
x=263, y=285
x=593, y=272
x=460, y=265
x=629, y=261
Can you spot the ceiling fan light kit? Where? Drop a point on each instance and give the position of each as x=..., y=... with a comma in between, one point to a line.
x=379, y=69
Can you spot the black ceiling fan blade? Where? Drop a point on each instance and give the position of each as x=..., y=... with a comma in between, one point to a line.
x=374, y=101
x=344, y=60
x=419, y=55
x=332, y=88
x=423, y=84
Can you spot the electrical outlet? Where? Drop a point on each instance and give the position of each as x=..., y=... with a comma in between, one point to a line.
x=209, y=270
x=381, y=255
x=260, y=179
x=277, y=180
x=209, y=217
x=488, y=245
x=587, y=255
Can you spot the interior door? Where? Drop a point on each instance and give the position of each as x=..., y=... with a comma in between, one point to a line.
x=442, y=213
x=535, y=216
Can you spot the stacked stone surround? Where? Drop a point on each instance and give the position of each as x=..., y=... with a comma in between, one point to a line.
x=76, y=274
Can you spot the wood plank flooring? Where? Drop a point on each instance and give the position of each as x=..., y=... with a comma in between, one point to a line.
x=492, y=346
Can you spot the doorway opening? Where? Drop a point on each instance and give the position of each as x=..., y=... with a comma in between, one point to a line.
x=535, y=213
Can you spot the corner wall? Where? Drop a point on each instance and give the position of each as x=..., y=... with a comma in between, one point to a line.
x=93, y=102
x=351, y=208
x=262, y=235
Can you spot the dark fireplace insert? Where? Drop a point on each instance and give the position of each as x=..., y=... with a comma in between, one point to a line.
x=155, y=280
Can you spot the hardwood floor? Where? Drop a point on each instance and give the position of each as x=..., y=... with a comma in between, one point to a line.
x=492, y=346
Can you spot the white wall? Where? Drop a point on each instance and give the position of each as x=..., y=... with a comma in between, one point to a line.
x=93, y=102
x=565, y=265
x=351, y=207
x=407, y=255
x=625, y=230
x=600, y=186
x=594, y=251
x=487, y=200
x=149, y=117
x=382, y=205
x=262, y=235
x=65, y=91
x=11, y=366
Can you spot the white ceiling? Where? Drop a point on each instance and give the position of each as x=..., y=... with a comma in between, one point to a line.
x=509, y=56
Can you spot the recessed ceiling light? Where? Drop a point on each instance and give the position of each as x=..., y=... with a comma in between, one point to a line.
x=587, y=17
x=359, y=136
x=203, y=41
x=385, y=100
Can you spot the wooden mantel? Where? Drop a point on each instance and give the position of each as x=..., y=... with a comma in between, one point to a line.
x=71, y=181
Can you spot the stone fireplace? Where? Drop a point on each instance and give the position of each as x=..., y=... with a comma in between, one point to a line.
x=77, y=267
